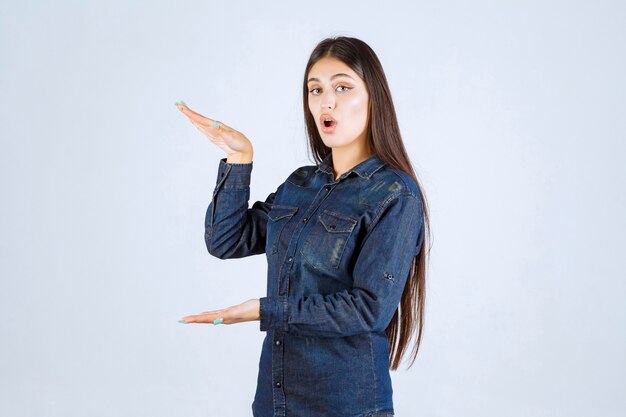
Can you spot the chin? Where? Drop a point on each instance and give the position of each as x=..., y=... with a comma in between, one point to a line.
x=333, y=142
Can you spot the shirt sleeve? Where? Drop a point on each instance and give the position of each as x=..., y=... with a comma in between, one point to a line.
x=380, y=274
x=232, y=229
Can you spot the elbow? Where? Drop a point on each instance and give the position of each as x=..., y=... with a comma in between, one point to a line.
x=211, y=248
x=217, y=254
x=211, y=252
x=384, y=317
x=379, y=326
x=376, y=316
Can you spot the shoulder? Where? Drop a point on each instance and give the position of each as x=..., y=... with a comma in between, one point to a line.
x=390, y=183
x=408, y=183
x=398, y=201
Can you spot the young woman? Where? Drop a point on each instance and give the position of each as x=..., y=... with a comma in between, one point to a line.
x=343, y=239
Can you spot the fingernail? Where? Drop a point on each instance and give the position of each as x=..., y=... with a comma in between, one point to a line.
x=183, y=321
x=215, y=125
x=218, y=321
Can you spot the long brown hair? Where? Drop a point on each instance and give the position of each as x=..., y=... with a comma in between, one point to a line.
x=386, y=142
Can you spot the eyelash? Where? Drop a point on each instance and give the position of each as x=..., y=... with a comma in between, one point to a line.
x=346, y=88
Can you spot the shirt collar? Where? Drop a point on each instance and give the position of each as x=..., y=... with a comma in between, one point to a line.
x=364, y=169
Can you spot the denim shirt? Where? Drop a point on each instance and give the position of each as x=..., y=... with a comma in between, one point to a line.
x=338, y=252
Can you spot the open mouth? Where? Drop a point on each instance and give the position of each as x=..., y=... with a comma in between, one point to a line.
x=328, y=123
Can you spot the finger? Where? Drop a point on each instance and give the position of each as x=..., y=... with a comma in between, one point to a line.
x=188, y=112
x=207, y=122
x=211, y=312
x=218, y=317
x=197, y=117
x=182, y=106
x=202, y=121
x=205, y=317
x=199, y=126
x=197, y=318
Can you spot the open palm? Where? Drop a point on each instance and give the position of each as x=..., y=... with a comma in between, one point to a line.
x=224, y=136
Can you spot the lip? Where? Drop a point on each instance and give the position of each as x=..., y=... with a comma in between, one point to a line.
x=326, y=129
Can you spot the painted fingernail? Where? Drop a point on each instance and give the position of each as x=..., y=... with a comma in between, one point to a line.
x=218, y=321
x=183, y=321
x=215, y=125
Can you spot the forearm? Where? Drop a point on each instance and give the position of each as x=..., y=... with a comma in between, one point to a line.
x=232, y=229
x=344, y=313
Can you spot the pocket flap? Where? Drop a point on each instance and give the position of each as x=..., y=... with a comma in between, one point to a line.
x=337, y=223
x=278, y=212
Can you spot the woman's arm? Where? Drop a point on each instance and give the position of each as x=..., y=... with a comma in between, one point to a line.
x=232, y=230
x=379, y=275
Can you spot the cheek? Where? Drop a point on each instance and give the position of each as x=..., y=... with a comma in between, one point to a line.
x=358, y=107
x=313, y=104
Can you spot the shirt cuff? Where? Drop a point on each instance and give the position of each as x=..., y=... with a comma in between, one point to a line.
x=234, y=175
x=273, y=313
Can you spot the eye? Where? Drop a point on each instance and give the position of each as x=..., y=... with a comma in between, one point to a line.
x=339, y=86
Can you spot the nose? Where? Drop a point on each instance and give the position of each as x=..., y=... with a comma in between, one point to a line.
x=328, y=101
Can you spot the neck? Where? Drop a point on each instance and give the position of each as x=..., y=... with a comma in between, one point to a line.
x=345, y=159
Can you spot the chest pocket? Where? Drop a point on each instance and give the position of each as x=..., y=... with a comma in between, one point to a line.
x=279, y=215
x=325, y=244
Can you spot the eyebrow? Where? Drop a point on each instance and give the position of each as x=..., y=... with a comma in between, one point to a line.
x=331, y=78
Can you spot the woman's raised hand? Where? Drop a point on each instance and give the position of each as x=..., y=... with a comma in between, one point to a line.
x=234, y=143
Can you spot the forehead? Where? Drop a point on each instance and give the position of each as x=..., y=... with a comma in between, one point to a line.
x=327, y=67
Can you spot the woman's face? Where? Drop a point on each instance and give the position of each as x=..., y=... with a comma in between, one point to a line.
x=337, y=91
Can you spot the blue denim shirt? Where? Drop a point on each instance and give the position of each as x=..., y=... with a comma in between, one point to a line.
x=338, y=253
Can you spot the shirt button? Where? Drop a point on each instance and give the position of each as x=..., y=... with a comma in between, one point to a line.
x=305, y=219
x=277, y=342
x=278, y=384
x=328, y=187
x=289, y=259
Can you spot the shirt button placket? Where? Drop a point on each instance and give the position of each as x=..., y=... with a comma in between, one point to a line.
x=279, y=395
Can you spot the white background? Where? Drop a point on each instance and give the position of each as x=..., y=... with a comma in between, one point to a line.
x=512, y=113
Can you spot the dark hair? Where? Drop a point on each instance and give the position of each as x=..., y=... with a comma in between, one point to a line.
x=386, y=142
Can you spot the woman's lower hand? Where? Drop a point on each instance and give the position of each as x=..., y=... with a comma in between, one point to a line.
x=246, y=311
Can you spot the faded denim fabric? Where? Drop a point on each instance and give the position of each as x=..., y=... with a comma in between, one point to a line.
x=338, y=254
